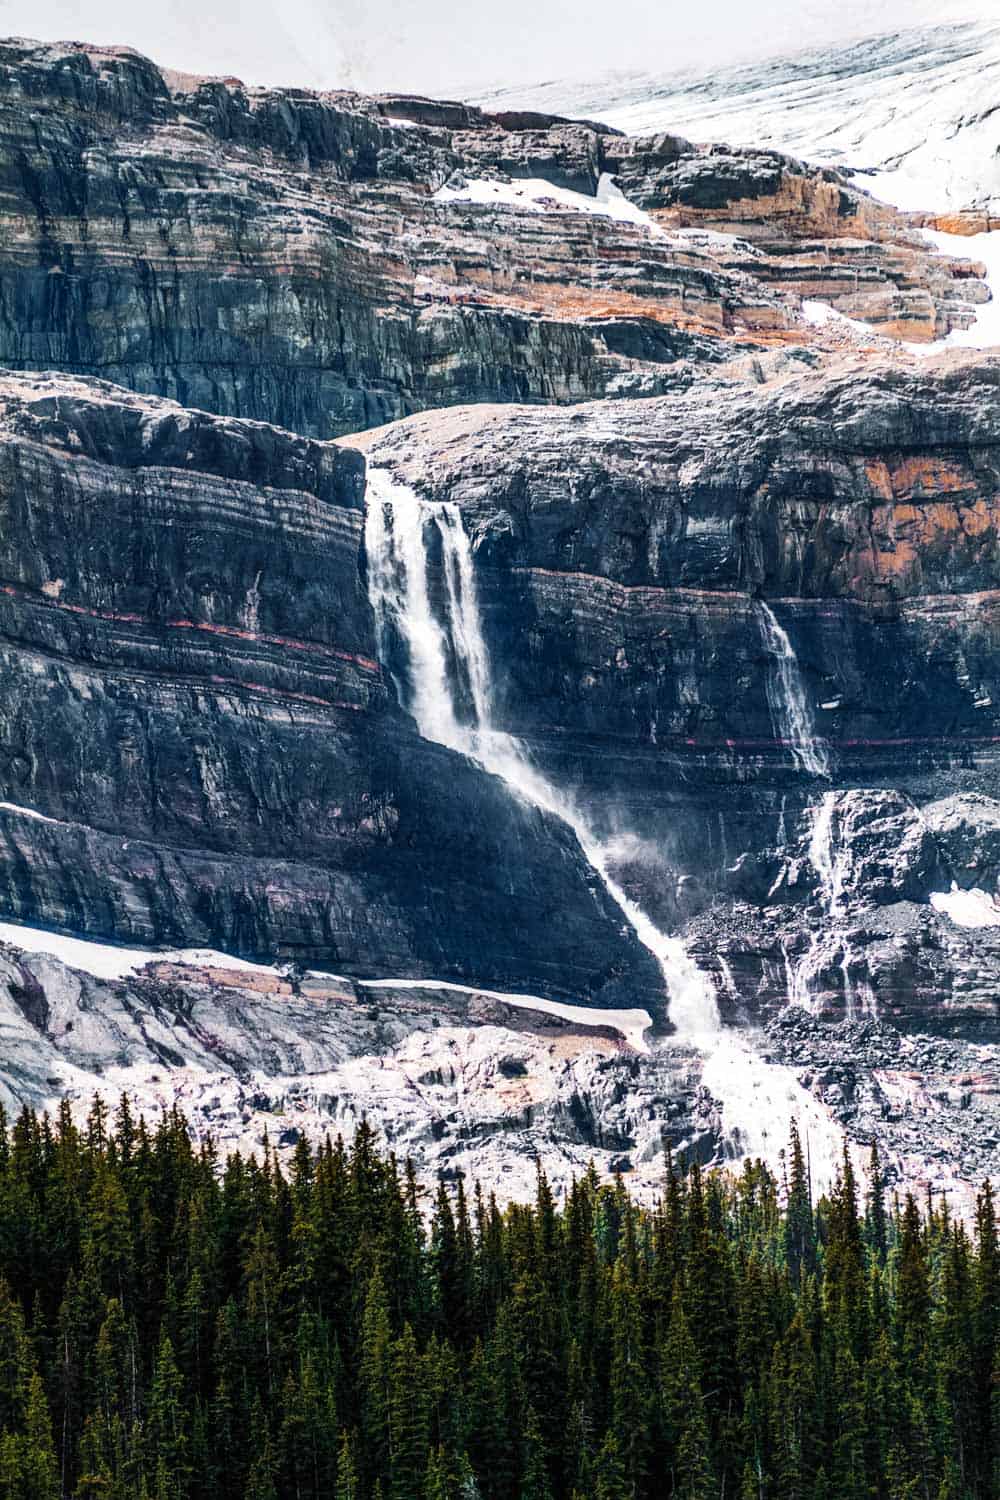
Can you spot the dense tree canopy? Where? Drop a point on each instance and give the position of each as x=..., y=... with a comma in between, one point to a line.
x=174, y=1327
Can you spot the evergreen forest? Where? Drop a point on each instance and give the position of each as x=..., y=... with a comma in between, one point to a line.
x=174, y=1326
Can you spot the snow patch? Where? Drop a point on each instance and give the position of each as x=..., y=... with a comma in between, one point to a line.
x=820, y=313
x=632, y=1024
x=26, y=812
x=612, y=201
x=984, y=332
x=540, y=196
x=715, y=239
x=975, y=908
x=106, y=961
x=909, y=115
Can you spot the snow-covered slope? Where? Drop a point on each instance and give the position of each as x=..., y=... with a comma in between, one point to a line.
x=919, y=109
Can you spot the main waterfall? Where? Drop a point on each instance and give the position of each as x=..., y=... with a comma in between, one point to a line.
x=786, y=696
x=447, y=688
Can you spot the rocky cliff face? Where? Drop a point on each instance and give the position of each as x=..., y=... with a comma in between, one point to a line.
x=703, y=685
x=291, y=257
x=802, y=230
x=861, y=499
x=198, y=744
x=635, y=563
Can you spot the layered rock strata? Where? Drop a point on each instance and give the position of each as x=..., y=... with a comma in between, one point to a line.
x=289, y=257
x=633, y=562
x=197, y=744
x=804, y=230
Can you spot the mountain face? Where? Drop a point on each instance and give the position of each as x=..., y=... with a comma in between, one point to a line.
x=513, y=651
x=741, y=607
x=912, y=111
x=191, y=697
x=321, y=262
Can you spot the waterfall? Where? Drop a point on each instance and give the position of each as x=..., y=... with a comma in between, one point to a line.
x=448, y=689
x=828, y=861
x=791, y=715
x=831, y=861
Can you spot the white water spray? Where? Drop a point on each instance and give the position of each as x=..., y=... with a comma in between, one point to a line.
x=791, y=714
x=395, y=542
x=757, y=1097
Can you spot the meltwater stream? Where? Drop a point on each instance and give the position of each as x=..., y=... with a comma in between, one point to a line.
x=830, y=947
x=454, y=707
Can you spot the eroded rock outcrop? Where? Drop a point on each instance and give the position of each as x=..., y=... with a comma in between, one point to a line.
x=803, y=229
x=468, y=1085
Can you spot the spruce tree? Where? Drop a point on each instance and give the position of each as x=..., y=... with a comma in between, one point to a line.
x=407, y=1413
x=166, y=1438
x=800, y=1249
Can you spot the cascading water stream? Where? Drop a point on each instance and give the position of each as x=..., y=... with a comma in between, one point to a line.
x=826, y=860
x=794, y=724
x=791, y=714
x=830, y=858
x=400, y=594
x=454, y=707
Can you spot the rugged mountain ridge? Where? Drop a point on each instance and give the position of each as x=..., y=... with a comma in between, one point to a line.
x=317, y=261
x=911, y=109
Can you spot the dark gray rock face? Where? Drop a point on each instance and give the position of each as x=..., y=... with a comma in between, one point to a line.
x=198, y=736
x=622, y=550
x=279, y=255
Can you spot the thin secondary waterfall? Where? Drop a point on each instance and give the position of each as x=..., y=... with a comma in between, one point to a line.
x=448, y=690
x=831, y=946
x=827, y=860
x=786, y=697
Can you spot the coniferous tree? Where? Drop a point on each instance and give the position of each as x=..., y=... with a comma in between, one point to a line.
x=39, y=1477
x=166, y=1427
x=375, y=1366
x=348, y=1477
x=407, y=1412
x=800, y=1250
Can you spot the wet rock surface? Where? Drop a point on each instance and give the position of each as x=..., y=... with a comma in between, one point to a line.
x=931, y=1103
